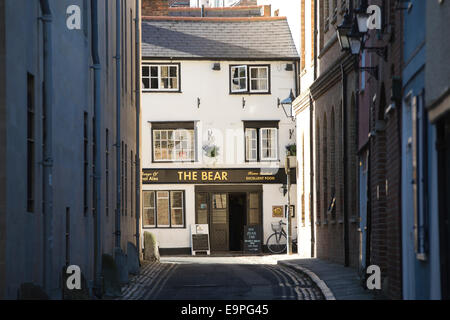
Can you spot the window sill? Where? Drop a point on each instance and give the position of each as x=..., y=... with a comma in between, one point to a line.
x=249, y=93
x=164, y=228
x=162, y=91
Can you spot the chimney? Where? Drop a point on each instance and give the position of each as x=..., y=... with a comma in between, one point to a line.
x=155, y=7
x=267, y=10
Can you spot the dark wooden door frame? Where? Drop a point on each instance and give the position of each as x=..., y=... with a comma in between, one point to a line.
x=231, y=188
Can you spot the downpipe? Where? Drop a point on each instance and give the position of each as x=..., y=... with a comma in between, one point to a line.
x=118, y=106
x=344, y=146
x=48, y=145
x=97, y=165
x=138, y=125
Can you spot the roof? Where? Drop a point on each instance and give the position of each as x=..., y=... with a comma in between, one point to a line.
x=255, y=38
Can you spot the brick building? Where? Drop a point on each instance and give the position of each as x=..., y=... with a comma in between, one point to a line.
x=379, y=147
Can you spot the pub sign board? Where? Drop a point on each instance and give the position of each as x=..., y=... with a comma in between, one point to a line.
x=220, y=176
x=252, y=239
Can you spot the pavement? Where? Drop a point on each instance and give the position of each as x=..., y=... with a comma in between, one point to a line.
x=336, y=281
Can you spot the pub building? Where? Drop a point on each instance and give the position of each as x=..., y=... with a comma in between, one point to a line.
x=214, y=136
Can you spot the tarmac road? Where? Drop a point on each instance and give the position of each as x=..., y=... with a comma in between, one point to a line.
x=220, y=278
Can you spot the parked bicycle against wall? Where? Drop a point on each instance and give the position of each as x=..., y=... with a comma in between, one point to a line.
x=277, y=241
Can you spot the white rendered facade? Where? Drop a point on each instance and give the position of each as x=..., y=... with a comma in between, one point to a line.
x=217, y=117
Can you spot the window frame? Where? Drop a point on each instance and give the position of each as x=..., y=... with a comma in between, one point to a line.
x=159, y=65
x=155, y=209
x=261, y=147
x=174, y=127
x=248, y=89
x=259, y=126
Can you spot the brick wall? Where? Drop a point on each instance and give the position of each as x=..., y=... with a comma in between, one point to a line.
x=155, y=7
x=385, y=189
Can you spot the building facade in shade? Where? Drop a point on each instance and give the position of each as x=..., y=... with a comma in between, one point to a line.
x=214, y=137
x=425, y=149
x=437, y=103
x=379, y=146
x=38, y=237
x=332, y=80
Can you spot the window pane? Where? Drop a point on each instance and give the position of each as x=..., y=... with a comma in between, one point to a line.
x=145, y=71
x=148, y=199
x=164, y=71
x=173, y=83
x=173, y=71
x=177, y=199
x=154, y=71
x=177, y=217
x=164, y=83
x=268, y=143
x=243, y=84
x=145, y=83
x=254, y=85
x=154, y=83
x=242, y=72
x=149, y=217
x=163, y=208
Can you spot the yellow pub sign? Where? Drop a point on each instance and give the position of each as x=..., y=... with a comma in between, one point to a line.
x=202, y=176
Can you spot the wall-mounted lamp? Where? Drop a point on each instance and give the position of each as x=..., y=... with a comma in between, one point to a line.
x=286, y=104
x=198, y=103
x=243, y=102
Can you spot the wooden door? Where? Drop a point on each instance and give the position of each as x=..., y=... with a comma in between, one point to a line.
x=219, y=222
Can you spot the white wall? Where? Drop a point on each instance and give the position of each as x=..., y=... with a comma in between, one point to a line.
x=219, y=110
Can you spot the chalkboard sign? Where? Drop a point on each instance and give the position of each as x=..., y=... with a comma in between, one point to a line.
x=200, y=239
x=252, y=239
x=200, y=242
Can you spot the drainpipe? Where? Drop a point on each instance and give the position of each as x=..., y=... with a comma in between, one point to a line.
x=138, y=125
x=118, y=93
x=97, y=165
x=311, y=137
x=311, y=169
x=344, y=145
x=48, y=146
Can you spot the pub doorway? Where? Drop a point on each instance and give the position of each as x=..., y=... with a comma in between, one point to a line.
x=227, y=210
x=238, y=219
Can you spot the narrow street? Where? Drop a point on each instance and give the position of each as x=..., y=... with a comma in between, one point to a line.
x=219, y=278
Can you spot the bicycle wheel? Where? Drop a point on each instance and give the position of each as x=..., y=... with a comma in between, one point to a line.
x=276, y=243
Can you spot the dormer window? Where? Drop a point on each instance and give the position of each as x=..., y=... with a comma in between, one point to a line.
x=250, y=79
x=161, y=77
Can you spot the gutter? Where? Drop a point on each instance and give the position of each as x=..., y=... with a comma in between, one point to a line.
x=97, y=163
x=48, y=146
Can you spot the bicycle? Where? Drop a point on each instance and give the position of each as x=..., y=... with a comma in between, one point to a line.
x=276, y=243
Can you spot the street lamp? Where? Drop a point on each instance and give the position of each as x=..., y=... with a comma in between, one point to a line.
x=355, y=38
x=362, y=17
x=287, y=106
x=343, y=30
